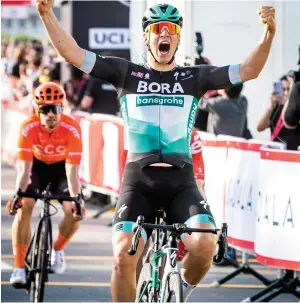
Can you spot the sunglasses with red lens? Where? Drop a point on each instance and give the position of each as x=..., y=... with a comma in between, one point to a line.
x=157, y=28
x=55, y=109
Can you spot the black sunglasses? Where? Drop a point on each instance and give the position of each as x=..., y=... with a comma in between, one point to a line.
x=55, y=109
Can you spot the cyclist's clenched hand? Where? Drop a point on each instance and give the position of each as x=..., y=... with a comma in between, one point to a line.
x=9, y=204
x=44, y=7
x=267, y=17
x=83, y=211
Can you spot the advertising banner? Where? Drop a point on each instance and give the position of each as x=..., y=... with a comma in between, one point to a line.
x=102, y=27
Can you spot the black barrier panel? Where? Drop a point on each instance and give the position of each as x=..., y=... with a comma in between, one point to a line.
x=102, y=27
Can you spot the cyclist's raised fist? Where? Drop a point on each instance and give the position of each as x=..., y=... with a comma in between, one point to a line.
x=267, y=17
x=44, y=7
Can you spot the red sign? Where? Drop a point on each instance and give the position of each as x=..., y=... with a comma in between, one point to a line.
x=15, y=2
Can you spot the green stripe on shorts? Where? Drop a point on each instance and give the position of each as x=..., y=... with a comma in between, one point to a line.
x=200, y=218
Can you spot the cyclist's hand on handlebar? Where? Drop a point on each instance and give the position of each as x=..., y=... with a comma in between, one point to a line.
x=44, y=7
x=9, y=204
x=83, y=210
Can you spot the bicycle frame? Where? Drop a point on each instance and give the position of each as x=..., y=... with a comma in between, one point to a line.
x=38, y=255
x=154, y=286
x=44, y=215
x=169, y=250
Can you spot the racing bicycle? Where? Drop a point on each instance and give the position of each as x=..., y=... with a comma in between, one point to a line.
x=38, y=255
x=167, y=287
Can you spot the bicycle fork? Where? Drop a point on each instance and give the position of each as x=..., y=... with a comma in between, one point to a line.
x=171, y=265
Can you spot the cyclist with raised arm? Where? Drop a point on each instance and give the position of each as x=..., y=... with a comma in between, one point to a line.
x=49, y=150
x=159, y=102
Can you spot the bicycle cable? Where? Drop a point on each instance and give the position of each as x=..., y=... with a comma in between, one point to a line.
x=56, y=209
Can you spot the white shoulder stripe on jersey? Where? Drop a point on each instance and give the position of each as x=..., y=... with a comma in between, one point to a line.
x=89, y=62
x=234, y=74
x=74, y=153
x=24, y=149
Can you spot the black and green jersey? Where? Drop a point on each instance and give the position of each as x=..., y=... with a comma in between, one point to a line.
x=159, y=108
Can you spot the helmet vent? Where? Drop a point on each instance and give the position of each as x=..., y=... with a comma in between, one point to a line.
x=164, y=7
x=48, y=91
x=173, y=11
x=153, y=11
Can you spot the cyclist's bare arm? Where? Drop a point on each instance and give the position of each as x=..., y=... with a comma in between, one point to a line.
x=23, y=175
x=254, y=63
x=62, y=41
x=73, y=179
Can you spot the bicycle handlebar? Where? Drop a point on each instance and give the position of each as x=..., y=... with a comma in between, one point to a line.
x=179, y=228
x=47, y=196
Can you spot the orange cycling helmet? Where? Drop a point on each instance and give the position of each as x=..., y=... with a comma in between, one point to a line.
x=49, y=93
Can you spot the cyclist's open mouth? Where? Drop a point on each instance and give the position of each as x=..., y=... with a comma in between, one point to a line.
x=164, y=48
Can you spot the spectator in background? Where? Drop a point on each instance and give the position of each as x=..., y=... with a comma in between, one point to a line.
x=100, y=97
x=227, y=112
x=272, y=119
x=291, y=111
x=19, y=59
x=202, y=115
x=76, y=86
x=247, y=134
x=199, y=59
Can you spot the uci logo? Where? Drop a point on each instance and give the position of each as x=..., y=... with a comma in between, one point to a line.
x=50, y=149
x=109, y=38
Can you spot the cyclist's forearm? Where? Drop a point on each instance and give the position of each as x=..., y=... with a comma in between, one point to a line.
x=63, y=42
x=254, y=63
x=22, y=181
x=23, y=176
x=73, y=179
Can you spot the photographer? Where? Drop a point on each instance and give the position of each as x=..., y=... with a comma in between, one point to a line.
x=201, y=116
x=291, y=111
x=273, y=119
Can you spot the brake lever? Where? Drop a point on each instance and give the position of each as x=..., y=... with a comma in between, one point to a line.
x=15, y=200
x=222, y=244
x=137, y=230
x=78, y=205
x=13, y=205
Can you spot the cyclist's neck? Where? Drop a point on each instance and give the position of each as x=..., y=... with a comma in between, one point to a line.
x=49, y=130
x=158, y=66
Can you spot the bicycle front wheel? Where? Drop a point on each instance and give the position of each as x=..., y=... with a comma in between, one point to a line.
x=173, y=291
x=41, y=253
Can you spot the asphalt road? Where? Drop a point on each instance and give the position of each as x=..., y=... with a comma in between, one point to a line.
x=89, y=264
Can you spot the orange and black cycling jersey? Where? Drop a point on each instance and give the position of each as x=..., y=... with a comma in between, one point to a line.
x=64, y=143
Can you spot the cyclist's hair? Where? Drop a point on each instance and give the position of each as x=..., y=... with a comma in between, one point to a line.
x=284, y=77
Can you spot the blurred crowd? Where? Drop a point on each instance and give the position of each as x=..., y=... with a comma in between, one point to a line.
x=26, y=65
